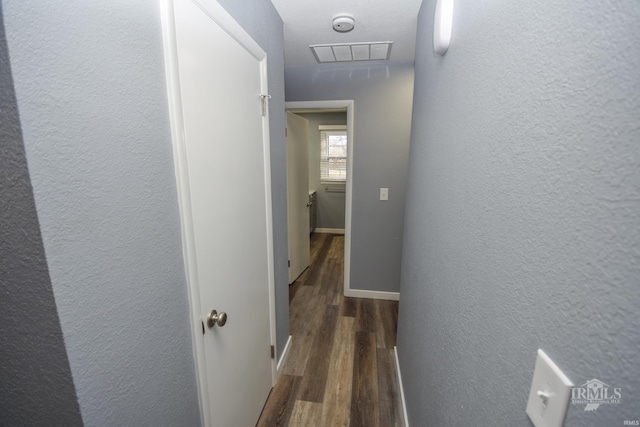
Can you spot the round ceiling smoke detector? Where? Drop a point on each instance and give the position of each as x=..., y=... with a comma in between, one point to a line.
x=343, y=24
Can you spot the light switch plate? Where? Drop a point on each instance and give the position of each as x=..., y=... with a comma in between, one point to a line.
x=384, y=194
x=549, y=395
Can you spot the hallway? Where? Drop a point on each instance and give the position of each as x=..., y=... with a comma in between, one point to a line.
x=341, y=369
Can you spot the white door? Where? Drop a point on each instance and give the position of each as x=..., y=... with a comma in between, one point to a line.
x=226, y=212
x=298, y=194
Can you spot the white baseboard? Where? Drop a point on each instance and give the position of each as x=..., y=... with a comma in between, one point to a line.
x=362, y=293
x=329, y=230
x=285, y=354
x=401, y=388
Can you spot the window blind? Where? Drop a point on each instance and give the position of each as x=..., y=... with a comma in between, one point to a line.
x=333, y=153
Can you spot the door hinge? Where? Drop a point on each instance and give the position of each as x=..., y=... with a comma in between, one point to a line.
x=288, y=263
x=263, y=103
x=273, y=352
x=285, y=132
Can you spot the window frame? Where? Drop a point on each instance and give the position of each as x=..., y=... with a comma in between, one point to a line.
x=326, y=180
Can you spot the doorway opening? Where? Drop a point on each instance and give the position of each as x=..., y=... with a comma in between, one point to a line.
x=334, y=191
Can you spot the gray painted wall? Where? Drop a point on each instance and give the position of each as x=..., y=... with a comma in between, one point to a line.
x=91, y=91
x=382, y=95
x=36, y=388
x=523, y=210
x=261, y=20
x=329, y=205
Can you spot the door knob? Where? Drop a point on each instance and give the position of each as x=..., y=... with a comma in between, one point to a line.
x=214, y=318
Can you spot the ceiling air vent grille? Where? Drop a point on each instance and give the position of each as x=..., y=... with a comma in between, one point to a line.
x=350, y=52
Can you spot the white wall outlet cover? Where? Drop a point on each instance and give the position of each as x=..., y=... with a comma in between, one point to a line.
x=549, y=395
x=384, y=194
x=442, y=24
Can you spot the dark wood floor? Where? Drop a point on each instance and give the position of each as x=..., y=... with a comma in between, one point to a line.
x=341, y=369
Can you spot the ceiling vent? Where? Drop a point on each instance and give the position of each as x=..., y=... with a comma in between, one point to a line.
x=351, y=52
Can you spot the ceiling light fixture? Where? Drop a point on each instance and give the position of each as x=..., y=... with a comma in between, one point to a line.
x=352, y=52
x=343, y=23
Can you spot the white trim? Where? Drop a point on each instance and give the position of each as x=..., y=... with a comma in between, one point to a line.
x=285, y=355
x=363, y=293
x=269, y=219
x=349, y=105
x=401, y=388
x=180, y=163
x=219, y=15
x=329, y=230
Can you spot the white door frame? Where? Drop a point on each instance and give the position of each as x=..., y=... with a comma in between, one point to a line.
x=216, y=12
x=328, y=105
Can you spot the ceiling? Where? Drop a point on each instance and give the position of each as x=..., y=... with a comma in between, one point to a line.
x=309, y=22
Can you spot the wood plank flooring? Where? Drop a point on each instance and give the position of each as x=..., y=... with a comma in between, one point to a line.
x=341, y=368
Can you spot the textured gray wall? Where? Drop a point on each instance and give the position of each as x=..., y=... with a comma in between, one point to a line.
x=329, y=206
x=261, y=20
x=382, y=123
x=36, y=388
x=523, y=210
x=90, y=88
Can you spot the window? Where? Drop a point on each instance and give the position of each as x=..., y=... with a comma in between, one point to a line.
x=333, y=153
